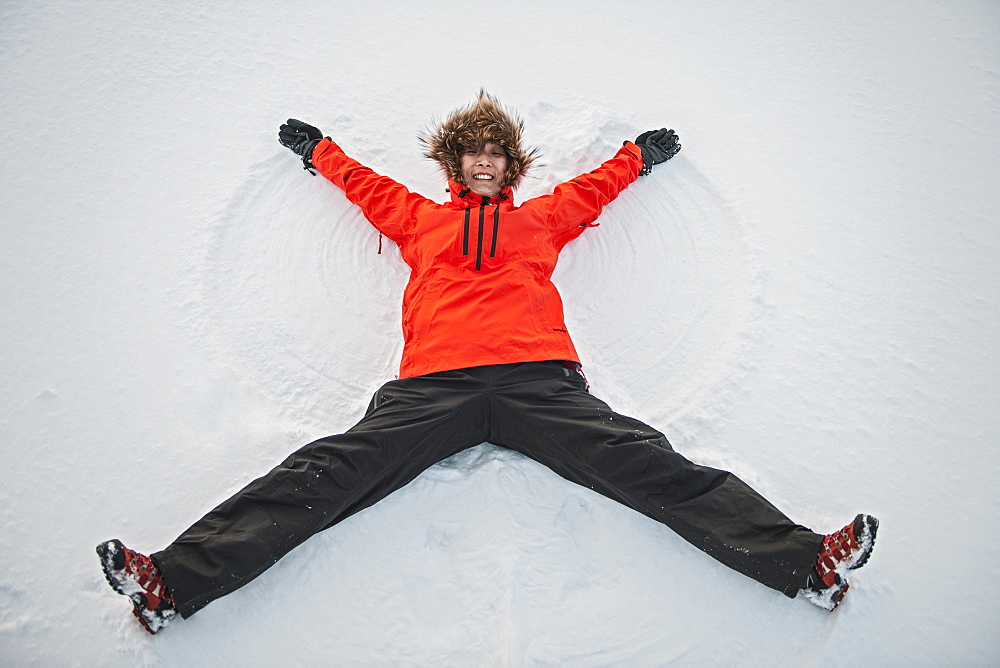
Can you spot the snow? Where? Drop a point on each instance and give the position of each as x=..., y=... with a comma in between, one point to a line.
x=806, y=295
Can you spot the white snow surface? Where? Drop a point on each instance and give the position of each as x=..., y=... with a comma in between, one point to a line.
x=807, y=296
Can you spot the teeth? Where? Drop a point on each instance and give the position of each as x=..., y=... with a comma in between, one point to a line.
x=482, y=177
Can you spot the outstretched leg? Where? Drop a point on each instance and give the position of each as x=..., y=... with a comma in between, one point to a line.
x=544, y=411
x=410, y=425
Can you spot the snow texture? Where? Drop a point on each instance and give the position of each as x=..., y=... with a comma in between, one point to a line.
x=807, y=295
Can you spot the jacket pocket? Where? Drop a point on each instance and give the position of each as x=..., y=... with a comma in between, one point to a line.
x=418, y=314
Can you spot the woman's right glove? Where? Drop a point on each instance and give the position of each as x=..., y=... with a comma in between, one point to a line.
x=301, y=138
x=657, y=146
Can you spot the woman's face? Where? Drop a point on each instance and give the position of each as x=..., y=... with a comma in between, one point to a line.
x=483, y=169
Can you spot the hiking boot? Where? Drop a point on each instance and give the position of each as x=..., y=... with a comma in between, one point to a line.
x=840, y=552
x=135, y=575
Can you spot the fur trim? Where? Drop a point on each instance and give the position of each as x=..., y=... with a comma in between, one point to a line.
x=484, y=120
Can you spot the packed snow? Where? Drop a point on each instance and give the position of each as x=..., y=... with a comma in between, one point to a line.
x=806, y=295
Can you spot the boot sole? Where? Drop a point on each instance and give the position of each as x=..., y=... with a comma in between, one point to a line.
x=869, y=529
x=112, y=556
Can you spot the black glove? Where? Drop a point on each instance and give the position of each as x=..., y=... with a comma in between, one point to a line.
x=301, y=138
x=657, y=146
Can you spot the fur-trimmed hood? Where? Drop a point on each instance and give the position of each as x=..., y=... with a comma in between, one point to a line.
x=484, y=120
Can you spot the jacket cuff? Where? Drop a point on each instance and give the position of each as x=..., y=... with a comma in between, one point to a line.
x=631, y=149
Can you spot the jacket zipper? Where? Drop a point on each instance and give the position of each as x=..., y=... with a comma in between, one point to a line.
x=479, y=247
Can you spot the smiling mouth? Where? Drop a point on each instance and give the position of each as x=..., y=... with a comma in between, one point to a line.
x=482, y=177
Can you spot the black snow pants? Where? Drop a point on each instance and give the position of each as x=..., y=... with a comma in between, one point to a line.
x=540, y=409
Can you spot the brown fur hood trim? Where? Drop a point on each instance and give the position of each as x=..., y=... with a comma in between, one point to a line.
x=484, y=120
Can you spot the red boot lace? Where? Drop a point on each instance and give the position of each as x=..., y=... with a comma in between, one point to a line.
x=837, y=548
x=147, y=575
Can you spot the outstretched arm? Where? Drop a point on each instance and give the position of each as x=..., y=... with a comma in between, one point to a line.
x=387, y=204
x=576, y=204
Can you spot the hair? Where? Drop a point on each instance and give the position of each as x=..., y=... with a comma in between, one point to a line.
x=470, y=127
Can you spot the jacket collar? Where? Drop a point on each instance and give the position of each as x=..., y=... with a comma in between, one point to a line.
x=465, y=198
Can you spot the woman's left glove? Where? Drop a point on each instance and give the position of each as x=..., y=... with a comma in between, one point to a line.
x=657, y=146
x=301, y=138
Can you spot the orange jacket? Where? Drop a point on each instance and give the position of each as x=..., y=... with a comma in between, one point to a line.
x=480, y=289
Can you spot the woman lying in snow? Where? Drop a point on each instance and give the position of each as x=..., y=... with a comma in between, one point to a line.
x=486, y=358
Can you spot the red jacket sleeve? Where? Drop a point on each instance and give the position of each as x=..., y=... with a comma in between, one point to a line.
x=387, y=204
x=575, y=204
